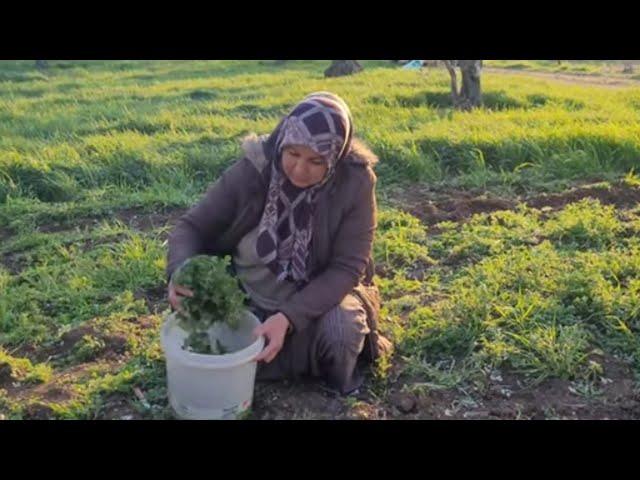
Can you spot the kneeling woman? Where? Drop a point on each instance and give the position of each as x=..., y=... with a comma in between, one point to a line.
x=297, y=213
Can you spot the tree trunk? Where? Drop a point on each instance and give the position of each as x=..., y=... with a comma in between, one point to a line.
x=339, y=68
x=471, y=89
x=470, y=94
x=451, y=67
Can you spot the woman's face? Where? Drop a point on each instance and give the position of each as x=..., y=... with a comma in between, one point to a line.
x=303, y=166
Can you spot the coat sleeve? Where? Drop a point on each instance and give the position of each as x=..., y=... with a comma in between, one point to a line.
x=208, y=219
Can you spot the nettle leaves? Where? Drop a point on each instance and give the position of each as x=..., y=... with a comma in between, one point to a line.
x=217, y=297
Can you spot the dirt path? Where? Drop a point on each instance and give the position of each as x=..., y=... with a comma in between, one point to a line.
x=574, y=78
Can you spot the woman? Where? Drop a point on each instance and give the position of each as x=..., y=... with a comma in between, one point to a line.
x=298, y=215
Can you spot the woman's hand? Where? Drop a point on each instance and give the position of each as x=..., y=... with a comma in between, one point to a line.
x=274, y=329
x=175, y=292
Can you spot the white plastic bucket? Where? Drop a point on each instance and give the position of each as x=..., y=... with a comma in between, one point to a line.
x=212, y=387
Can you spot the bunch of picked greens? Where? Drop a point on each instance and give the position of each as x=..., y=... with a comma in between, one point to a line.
x=217, y=297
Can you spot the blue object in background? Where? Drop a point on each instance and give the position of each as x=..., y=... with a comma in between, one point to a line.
x=413, y=65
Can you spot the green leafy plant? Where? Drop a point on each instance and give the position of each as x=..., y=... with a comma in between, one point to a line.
x=217, y=297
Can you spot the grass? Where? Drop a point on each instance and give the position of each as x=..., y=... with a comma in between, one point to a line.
x=545, y=297
x=164, y=125
x=545, y=294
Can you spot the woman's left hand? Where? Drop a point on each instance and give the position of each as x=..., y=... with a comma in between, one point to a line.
x=274, y=329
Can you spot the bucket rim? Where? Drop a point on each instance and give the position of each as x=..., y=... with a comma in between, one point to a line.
x=207, y=361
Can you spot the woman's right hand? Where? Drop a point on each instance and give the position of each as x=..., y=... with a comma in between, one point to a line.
x=175, y=294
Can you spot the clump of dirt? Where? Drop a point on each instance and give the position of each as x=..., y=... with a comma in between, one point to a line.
x=119, y=407
x=107, y=342
x=144, y=221
x=38, y=411
x=456, y=206
x=38, y=401
x=155, y=298
x=461, y=209
x=404, y=402
x=6, y=374
x=135, y=218
x=620, y=195
x=14, y=262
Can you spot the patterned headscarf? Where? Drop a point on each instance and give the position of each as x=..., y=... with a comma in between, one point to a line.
x=322, y=122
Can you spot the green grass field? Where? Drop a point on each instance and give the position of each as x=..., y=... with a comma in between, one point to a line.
x=507, y=253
